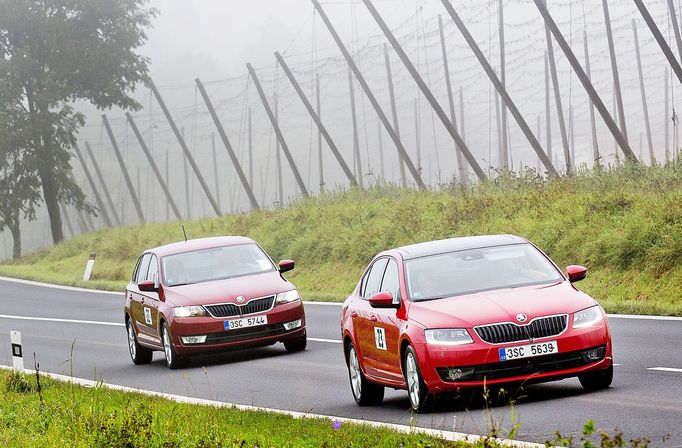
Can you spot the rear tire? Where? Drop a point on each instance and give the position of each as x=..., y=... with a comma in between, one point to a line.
x=139, y=354
x=364, y=392
x=173, y=361
x=597, y=380
x=421, y=400
x=296, y=345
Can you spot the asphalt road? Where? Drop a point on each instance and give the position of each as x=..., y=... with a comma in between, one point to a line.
x=642, y=402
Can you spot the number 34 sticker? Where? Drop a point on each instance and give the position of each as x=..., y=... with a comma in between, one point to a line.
x=380, y=338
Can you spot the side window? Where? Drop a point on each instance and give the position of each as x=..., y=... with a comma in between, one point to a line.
x=153, y=272
x=373, y=283
x=391, y=281
x=136, y=270
x=143, y=268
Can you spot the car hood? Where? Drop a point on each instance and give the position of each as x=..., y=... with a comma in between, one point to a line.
x=501, y=305
x=227, y=291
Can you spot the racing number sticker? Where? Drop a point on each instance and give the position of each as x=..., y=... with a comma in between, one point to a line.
x=380, y=338
x=147, y=316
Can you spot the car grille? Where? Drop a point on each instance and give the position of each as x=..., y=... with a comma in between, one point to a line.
x=245, y=333
x=542, y=327
x=526, y=366
x=232, y=309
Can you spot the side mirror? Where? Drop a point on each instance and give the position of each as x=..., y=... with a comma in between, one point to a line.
x=286, y=265
x=147, y=286
x=383, y=299
x=576, y=273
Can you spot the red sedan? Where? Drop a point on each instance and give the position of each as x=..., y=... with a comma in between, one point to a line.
x=455, y=314
x=210, y=294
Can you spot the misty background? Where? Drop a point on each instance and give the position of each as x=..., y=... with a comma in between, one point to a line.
x=214, y=40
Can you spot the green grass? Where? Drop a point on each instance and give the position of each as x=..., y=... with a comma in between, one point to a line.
x=624, y=223
x=64, y=414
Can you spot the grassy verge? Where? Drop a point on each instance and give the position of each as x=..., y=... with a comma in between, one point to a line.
x=64, y=414
x=624, y=223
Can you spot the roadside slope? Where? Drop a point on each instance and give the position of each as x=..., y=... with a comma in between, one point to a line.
x=625, y=224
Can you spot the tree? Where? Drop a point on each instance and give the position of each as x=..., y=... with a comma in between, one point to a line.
x=19, y=185
x=54, y=53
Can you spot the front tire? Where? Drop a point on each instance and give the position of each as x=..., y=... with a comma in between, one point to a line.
x=597, y=380
x=296, y=345
x=421, y=400
x=139, y=354
x=364, y=392
x=173, y=361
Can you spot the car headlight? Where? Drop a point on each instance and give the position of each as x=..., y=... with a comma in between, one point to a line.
x=189, y=311
x=588, y=317
x=287, y=296
x=449, y=336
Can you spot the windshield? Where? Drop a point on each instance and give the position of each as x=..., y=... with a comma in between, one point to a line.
x=216, y=263
x=468, y=271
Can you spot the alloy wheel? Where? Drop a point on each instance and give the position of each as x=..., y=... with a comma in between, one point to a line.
x=131, y=340
x=355, y=374
x=412, y=380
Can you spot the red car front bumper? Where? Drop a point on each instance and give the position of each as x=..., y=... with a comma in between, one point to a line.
x=480, y=364
x=218, y=339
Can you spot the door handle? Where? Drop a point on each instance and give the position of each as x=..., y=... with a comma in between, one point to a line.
x=373, y=318
x=353, y=314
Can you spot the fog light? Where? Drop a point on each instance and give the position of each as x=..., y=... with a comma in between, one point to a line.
x=293, y=324
x=193, y=339
x=594, y=354
x=456, y=374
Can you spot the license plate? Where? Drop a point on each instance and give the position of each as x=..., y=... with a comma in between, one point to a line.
x=528, y=351
x=245, y=322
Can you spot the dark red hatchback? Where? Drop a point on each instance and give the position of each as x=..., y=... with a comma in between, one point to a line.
x=207, y=295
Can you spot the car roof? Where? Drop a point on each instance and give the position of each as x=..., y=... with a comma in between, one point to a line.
x=199, y=244
x=456, y=244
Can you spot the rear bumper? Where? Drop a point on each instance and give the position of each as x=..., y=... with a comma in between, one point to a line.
x=217, y=339
x=479, y=363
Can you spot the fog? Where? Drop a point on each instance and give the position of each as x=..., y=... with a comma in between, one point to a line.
x=214, y=40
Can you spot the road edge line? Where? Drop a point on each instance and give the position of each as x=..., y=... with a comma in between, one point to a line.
x=307, y=302
x=442, y=434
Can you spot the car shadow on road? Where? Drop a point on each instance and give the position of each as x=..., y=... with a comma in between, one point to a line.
x=479, y=400
x=233, y=356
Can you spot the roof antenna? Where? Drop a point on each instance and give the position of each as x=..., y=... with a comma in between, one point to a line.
x=184, y=233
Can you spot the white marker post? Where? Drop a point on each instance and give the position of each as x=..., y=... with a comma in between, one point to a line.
x=17, y=355
x=88, y=267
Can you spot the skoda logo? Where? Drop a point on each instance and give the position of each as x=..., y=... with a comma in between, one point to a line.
x=521, y=317
x=240, y=299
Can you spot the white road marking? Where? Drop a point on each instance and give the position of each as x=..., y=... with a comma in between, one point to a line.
x=616, y=365
x=115, y=324
x=665, y=369
x=70, y=321
x=99, y=291
x=447, y=435
x=331, y=341
x=642, y=317
x=308, y=302
x=53, y=286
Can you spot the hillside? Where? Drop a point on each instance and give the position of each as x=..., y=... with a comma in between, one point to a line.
x=625, y=224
